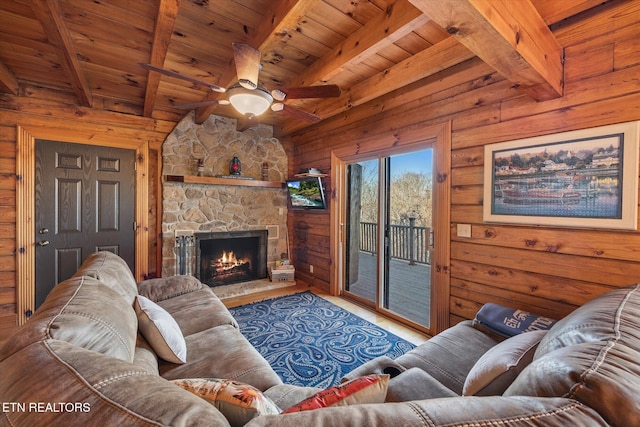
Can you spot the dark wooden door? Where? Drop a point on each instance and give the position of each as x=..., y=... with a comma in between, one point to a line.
x=84, y=202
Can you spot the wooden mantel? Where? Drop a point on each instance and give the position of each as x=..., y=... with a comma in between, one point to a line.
x=213, y=180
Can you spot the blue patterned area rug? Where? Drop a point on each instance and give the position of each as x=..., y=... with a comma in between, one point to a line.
x=310, y=341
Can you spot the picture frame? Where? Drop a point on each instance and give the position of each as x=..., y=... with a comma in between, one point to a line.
x=583, y=178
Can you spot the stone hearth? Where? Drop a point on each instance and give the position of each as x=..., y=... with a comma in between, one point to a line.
x=192, y=207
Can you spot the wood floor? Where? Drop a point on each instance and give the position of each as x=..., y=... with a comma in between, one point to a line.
x=390, y=325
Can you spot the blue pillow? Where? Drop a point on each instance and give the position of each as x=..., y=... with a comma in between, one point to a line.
x=508, y=321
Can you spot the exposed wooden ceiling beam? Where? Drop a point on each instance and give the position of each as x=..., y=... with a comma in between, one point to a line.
x=397, y=21
x=283, y=14
x=438, y=57
x=8, y=82
x=49, y=13
x=165, y=21
x=511, y=36
x=400, y=19
x=554, y=11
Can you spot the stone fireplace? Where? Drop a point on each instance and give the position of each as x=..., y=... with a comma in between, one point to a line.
x=198, y=207
x=224, y=258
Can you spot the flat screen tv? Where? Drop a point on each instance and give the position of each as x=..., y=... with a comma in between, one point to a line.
x=306, y=193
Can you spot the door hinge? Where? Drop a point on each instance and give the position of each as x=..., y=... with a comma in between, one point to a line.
x=135, y=225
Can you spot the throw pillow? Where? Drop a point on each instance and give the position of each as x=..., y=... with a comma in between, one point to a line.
x=238, y=402
x=160, y=330
x=507, y=321
x=366, y=389
x=494, y=372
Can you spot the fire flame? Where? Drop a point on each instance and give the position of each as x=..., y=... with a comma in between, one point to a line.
x=229, y=258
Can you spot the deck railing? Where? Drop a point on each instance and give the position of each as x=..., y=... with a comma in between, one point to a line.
x=407, y=242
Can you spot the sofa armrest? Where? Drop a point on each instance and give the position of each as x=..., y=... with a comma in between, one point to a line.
x=97, y=389
x=164, y=288
x=454, y=411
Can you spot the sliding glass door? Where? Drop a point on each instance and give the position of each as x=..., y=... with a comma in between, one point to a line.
x=388, y=234
x=361, y=243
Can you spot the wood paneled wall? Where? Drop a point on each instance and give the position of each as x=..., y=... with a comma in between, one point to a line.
x=548, y=270
x=46, y=114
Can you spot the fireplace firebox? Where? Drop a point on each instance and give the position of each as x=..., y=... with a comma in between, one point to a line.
x=223, y=258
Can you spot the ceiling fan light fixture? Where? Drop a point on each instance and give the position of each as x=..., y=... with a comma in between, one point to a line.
x=249, y=102
x=247, y=84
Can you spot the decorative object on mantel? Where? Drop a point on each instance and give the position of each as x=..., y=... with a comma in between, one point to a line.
x=235, y=167
x=265, y=171
x=200, y=167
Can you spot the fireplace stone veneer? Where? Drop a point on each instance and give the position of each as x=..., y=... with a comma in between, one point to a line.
x=200, y=206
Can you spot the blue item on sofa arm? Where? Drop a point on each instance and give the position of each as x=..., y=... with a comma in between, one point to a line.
x=508, y=321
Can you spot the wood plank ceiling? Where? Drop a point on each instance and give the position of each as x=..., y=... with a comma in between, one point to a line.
x=88, y=52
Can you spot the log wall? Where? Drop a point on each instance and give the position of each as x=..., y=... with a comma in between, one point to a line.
x=545, y=269
x=549, y=270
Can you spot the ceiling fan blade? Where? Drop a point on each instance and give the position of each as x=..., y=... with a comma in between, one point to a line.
x=320, y=91
x=247, y=60
x=193, y=105
x=245, y=123
x=296, y=113
x=170, y=73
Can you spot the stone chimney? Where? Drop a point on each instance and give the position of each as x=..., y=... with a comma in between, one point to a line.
x=207, y=150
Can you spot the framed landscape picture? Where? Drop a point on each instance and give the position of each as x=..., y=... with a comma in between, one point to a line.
x=585, y=178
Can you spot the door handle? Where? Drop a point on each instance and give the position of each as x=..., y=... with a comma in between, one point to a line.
x=43, y=243
x=43, y=231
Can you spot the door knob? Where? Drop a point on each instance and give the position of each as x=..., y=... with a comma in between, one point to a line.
x=43, y=243
x=43, y=231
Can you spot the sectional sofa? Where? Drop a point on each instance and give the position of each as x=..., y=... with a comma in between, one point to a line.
x=89, y=356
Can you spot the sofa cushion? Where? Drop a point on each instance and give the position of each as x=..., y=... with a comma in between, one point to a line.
x=112, y=271
x=145, y=357
x=498, y=367
x=222, y=352
x=160, y=289
x=160, y=330
x=367, y=389
x=471, y=411
x=593, y=356
x=94, y=390
x=460, y=345
x=197, y=311
x=415, y=384
x=237, y=401
x=86, y=313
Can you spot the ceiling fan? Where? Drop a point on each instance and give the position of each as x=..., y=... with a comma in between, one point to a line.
x=250, y=98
